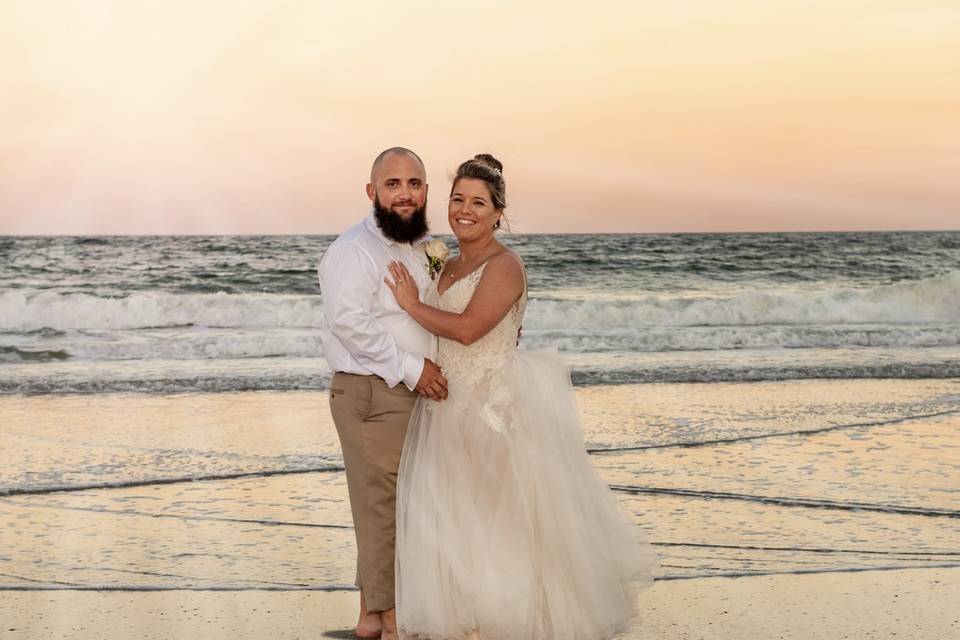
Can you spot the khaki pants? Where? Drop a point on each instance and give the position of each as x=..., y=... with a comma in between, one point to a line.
x=371, y=422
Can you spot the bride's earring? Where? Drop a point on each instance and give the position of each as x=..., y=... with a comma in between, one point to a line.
x=497, y=225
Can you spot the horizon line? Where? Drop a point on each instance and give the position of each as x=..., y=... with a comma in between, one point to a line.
x=532, y=233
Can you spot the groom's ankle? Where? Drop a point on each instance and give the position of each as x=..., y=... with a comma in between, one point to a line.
x=388, y=620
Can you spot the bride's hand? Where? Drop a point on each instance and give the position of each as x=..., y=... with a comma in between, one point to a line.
x=404, y=287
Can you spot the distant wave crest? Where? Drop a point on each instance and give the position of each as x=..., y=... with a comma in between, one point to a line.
x=932, y=300
x=21, y=311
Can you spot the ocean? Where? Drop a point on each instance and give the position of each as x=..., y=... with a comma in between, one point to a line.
x=232, y=313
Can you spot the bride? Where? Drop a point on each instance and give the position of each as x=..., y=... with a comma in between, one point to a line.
x=505, y=529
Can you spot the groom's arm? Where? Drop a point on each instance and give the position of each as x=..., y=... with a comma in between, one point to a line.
x=348, y=281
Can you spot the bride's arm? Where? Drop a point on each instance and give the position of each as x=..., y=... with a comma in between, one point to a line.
x=501, y=284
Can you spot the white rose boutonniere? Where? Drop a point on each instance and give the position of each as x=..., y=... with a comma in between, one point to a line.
x=437, y=254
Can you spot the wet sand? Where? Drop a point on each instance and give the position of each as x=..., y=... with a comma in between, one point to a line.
x=216, y=515
x=908, y=604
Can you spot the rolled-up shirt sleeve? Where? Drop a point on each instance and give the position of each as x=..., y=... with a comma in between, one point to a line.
x=349, y=279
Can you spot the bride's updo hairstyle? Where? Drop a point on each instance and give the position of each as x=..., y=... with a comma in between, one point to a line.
x=484, y=166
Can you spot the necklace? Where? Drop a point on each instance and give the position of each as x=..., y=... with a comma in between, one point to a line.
x=453, y=272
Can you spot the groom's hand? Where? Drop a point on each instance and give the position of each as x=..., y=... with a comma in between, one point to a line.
x=432, y=384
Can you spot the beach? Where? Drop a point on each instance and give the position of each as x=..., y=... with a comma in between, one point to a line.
x=780, y=413
x=794, y=509
x=739, y=230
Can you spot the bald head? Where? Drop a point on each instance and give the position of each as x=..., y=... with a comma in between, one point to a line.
x=393, y=151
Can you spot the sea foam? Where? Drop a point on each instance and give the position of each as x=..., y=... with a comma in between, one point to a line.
x=932, y=300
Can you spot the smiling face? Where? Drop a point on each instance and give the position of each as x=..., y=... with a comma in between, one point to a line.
x=470, y=212
x=398, y=184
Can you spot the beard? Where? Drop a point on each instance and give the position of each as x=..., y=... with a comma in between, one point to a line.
x=396, y=228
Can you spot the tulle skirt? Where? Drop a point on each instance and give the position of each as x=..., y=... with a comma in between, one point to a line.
x=504, y=527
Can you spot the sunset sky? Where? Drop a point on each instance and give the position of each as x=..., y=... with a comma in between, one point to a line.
x=262, y=116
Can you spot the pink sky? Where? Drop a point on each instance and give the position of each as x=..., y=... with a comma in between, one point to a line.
x=262, y=116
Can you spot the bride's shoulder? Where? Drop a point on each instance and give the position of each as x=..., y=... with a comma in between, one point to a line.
x=505, y=266
x=506, y=259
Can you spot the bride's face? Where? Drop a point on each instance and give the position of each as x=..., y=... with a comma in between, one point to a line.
x=470, y=212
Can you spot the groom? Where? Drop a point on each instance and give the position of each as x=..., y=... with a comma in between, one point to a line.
x=378, y=355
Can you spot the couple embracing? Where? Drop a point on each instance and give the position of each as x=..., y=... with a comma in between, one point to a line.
x=476, y=509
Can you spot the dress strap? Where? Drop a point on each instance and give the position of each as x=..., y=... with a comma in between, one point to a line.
x=479, y=270
x=523, y=267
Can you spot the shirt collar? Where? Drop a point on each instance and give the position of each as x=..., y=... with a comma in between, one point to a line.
x=374, y=228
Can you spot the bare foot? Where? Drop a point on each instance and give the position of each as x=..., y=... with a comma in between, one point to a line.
x=368, y=626
x=388, y=621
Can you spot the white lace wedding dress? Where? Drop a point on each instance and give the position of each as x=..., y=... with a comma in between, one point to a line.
x=504, y=527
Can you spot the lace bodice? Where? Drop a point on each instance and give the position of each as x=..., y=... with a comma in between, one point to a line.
x=489, y=352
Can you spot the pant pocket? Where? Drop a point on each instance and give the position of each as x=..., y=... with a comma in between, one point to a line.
x=351, y=397
x=361, y=397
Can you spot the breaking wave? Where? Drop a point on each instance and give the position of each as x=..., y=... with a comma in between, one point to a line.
x=932, y=300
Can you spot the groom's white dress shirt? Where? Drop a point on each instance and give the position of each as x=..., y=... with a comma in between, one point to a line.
x=363, y=329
